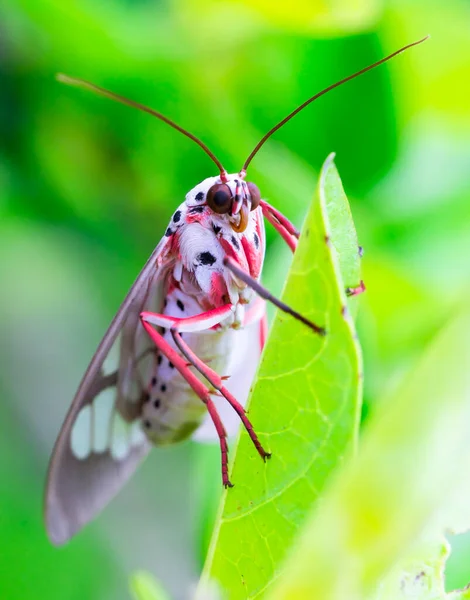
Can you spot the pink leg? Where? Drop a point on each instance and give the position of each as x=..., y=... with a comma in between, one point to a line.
x=284, y=221
x=290, y=240
x=205, y=320
x=282, y=225
x=223, y=441
x=290, y=235
x=201, y=390
x=197, y=323
x=216, y=381
x=263, y=331
x=355, y=291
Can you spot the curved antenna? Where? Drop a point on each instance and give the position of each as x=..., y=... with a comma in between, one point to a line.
x=81, y=83
x=330, y=87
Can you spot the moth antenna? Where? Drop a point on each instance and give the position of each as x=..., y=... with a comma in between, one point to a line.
x=317, y=95
x=81, y=83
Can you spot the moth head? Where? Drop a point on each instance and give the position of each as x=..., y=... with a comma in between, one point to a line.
x=235, y=198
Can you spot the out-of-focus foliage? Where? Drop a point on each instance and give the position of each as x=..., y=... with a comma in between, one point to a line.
x=86, y=187
x=144, y=587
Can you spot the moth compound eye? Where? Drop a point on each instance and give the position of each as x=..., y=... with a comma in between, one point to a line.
x=219, y=198
x=255, y=195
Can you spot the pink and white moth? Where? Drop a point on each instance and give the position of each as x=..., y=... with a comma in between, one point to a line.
x=194, y=318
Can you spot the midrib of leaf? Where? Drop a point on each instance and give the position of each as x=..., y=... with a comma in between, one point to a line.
x=305, y=406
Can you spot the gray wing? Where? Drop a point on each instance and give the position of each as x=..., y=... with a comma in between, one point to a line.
x=100, y=443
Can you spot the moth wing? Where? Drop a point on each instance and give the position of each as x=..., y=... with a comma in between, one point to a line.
x=100, y=445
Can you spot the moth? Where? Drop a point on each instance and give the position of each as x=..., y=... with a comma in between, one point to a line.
x=194, y=317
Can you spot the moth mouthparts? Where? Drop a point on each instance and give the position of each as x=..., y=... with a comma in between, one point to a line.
x=243, y=221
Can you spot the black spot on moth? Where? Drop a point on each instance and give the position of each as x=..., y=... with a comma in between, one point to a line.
x=235, y=242
x=196, y=209
x=199, y=196
x=180, y=305
x=206, y=258
x=256, y=239
x=168, y=232
x=215, y=228
x=177, y=216
x=156, y=403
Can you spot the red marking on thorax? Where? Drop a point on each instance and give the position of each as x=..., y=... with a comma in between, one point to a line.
x=253, y=257
x=219, y=294
x=238, y=256
x=197, y=217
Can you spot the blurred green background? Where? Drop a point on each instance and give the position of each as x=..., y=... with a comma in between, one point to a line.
x=87, y=186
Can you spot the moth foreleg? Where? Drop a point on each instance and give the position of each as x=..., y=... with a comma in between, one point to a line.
x=283, y=226
x=200, y=322
x=290, y=235
x=217, y=382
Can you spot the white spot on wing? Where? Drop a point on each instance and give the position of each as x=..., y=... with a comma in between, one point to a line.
x=120, y=439
x=99, y=427
x=111, y=361
x=137, y=436
x=80, y=436
x=102, y=414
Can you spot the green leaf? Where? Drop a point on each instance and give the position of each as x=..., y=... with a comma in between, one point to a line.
x=143, y=586
x=305, y=407
x=342, y=233
x=402, y=490
x=418, y=577
x=421, y=576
